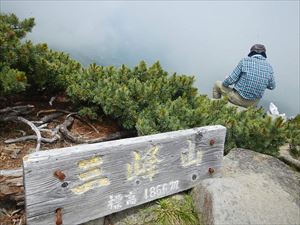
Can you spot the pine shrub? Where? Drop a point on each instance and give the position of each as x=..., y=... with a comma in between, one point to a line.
x=293, y=135
x=24, y=65
x=151, y=101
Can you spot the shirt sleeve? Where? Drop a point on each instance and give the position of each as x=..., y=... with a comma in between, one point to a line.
x=271, y=84
x=234, y=76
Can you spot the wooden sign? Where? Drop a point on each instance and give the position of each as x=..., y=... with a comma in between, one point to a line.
x=81, y=183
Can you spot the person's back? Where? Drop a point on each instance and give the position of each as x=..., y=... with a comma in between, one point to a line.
x=252, y=76
x=256, y=75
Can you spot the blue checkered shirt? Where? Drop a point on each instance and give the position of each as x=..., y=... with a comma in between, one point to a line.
x=252, y=76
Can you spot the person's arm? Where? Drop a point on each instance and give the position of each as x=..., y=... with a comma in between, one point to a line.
x=234, y=76
x=271, y=84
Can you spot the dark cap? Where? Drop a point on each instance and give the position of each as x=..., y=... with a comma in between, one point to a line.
x=258, y=48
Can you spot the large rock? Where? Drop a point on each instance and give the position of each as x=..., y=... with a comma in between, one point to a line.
x=254, y=189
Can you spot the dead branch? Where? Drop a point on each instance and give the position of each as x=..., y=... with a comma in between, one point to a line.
x=21, y=108
x=88, y=123
x=53, y=111
x=74, y=114
x=46, y=119
x=64, y=130
x=32, y=137
x=42, y=126
x=11, y=113
x=35, y=129
x=50, y=117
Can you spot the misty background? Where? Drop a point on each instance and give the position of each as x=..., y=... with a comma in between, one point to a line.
x=201, y=38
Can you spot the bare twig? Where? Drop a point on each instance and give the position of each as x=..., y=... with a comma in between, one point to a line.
x=11, y=113
x=21, y=108
x=52, y=111
x=32, y=137
x=5, y=212
x=35, y=129
x=42, y=126
x=71, y=114
x=64, y=129
x=89, y=124
x=74, y=114
x=51, y=117
x=48, y=118
x=16, y=211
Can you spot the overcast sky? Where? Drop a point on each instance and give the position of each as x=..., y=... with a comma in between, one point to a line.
x=201, y=38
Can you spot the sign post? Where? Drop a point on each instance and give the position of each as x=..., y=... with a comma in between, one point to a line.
x=84, y=182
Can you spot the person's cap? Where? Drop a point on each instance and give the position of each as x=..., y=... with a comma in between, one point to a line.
x=258, y=48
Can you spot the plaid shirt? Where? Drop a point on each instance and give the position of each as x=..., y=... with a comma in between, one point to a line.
x=251, y=77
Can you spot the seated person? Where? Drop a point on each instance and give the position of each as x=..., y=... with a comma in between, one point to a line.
x=252, y=76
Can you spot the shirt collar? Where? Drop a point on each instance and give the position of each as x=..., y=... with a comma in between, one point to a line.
x=258, y=56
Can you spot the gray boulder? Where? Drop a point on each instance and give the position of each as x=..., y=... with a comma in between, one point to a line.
x=254, y=189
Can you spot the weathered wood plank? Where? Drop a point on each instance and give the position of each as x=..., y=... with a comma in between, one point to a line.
x=104, y=178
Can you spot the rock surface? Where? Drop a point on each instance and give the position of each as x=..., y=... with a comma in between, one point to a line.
x=254, y=189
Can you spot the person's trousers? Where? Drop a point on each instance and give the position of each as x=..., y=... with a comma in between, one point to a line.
x=233, y=96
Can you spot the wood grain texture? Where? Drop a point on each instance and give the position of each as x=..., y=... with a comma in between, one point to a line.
x=108, y=177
